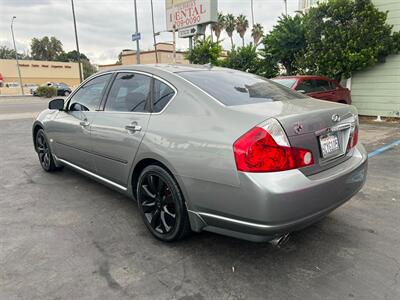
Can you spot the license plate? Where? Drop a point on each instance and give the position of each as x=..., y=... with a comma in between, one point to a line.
x=329, y=144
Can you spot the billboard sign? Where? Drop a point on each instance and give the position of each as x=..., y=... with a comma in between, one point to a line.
x=188, y=13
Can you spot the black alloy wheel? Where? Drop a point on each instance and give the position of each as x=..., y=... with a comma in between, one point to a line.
x=161, y=204
x=44, y=152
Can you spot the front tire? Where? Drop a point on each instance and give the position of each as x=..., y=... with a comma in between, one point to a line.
x=44, y=152
x=161, y=205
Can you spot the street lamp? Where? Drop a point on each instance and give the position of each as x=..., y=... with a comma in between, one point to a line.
x=16, y=55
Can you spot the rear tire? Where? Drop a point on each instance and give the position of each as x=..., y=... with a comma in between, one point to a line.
x=44, y=152
x=161, y=205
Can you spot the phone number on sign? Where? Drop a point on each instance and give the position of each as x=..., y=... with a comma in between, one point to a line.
x=187, y=22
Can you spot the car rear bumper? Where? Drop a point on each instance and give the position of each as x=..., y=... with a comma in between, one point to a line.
x=267, y=205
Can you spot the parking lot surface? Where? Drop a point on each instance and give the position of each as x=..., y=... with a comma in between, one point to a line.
x=65, y=236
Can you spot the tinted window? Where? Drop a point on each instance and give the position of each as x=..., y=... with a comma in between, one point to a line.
x=334, y=85
x=88, y=97
x=306, y=86
x=238, y=88
x=129, y=92
x=162, y=94
x=322, y=85
x=285, y=82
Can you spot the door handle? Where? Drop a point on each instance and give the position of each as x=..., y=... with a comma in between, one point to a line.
x=84, y=123
x=133, y=127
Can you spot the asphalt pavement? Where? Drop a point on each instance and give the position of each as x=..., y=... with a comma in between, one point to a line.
x=65, y=236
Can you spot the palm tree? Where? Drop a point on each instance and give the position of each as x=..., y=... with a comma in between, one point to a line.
x=230, y=23
x=219, y=26
x=257, y=33
x=241, y=26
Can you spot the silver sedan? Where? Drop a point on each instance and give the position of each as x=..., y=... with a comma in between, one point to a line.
x=205, y=148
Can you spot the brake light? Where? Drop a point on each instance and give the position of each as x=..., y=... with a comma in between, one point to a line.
x=265, y=148
x=353, y=138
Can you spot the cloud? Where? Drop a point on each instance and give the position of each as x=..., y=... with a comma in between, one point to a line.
x=105, y=26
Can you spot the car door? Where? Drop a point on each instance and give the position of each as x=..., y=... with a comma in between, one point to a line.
x=118, y=129
x=71, y=129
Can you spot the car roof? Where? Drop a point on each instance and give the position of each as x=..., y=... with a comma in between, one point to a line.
x=170, y=68
x=303, y=77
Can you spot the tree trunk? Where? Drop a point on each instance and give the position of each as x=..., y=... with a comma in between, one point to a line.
x=231, y=42
x=242, y=41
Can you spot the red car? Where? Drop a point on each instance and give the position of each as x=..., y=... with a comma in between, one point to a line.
x=319, y=87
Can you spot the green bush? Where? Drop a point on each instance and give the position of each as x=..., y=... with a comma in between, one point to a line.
x=46, y=91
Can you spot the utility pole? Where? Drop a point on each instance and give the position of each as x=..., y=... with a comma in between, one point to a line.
x=16, y=55
x=174, y=44
x=77, y=43
x=285, y=7
x=154, y=34
x=252, y=13
x=137, y=31
x=190, y=45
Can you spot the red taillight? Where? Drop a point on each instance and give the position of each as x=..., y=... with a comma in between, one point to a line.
x=353, y=140
x=258, y=151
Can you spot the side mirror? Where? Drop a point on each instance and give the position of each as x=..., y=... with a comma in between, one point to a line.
x=301, y=91
x=56, y=104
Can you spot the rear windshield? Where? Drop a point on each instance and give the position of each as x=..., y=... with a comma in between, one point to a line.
x=237, y=88
x=286, y=82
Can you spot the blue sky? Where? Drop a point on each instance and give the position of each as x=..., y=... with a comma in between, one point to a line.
x=105, y=26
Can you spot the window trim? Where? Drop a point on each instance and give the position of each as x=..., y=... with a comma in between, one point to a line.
x=68, y=100
x=107, y=90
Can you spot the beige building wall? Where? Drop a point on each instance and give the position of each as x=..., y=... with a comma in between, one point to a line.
x=40, y=72
x=164, y=55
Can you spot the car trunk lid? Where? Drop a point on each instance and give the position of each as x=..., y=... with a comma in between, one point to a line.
x=322, y=127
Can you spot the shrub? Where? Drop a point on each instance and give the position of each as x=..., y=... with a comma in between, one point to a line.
x=46, y=91
x=205, y=51
x=248, y=59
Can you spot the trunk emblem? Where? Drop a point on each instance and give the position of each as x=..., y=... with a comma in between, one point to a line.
x=335, y=118
x=298, y=128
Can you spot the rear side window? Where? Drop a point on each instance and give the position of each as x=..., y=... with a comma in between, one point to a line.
x=162, y=95
x=129, y=92
x=238, y=88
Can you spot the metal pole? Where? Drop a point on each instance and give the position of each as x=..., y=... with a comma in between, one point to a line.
x=154, y=34
x=137, y=41
x=16, y=55
x=285, y=7
x=252, y=13
x=77, y=43
x=190, y=45
x=174, y=44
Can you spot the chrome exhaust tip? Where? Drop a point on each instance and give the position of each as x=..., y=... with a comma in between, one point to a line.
x=280, y=240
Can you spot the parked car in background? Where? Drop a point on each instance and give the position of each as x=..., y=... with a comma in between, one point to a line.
x=62, y=89
x=12, y=85
x=206, y=148
x=1, y=80
x=31, y=86
x=319, y=87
